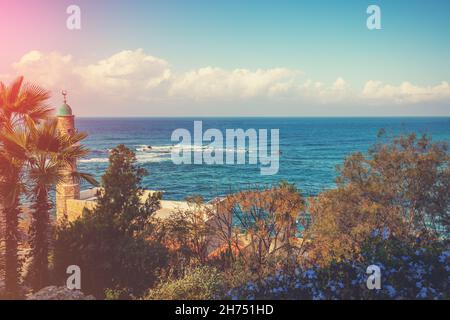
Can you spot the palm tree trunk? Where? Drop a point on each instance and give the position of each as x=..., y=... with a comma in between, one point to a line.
x=39, y=232
x=12, y=264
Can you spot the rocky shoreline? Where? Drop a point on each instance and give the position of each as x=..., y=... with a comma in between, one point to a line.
x=58, y=293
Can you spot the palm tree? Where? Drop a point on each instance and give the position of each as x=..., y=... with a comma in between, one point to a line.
x=19, y=103
x=50, y=156
x=10, y=189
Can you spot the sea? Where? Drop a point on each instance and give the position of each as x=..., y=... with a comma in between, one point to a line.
x=310, y=150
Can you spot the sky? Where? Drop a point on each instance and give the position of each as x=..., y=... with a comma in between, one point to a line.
x=233, y=58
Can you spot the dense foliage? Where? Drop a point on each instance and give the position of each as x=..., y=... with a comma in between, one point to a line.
x=187, y=236
x=407, y=272
x=202, y=283
x=403, y=187
x=34, y=156
x=109, y=243
x=21, y=105
x=390, y=209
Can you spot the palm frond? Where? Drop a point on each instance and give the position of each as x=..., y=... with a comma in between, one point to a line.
x=14, y=90
x=15, y=143
x=45, y=173
x=34, y=97
x=19, y=101
x=82, y=176
x=78, y=137
x=39, y=113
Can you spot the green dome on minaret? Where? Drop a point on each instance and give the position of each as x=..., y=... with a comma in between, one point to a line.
x=65, y=110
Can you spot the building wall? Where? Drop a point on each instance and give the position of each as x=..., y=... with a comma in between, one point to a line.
x=66, y=124
x=68, y=189
x=75, y=207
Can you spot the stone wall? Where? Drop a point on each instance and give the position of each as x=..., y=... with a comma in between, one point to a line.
x=65, y=193
x=75, y=207
x=66, y=124
x=68, y=188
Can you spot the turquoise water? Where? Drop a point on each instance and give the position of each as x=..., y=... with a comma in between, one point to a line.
x=310, y=149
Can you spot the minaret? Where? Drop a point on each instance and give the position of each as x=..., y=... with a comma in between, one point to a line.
x=69, y=188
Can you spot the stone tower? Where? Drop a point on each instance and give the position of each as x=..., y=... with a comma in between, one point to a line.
x=69, y=188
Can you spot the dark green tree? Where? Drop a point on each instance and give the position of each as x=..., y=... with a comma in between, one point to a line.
x=110, y=243
x=122, y=195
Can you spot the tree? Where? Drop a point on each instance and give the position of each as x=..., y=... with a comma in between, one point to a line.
x=400, y=189
x=122, y=193
x=267, y=224
x=19, y=104
x=11, y=172
x=49, y=157
x=110, y=243
x=187, y=234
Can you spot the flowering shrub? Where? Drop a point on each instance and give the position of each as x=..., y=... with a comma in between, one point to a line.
x=407, y=272
x=202, y=283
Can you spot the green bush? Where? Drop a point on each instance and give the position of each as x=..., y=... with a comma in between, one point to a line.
x=107, y=257
x=118, y=294
x=110, y=244
x=203, y=283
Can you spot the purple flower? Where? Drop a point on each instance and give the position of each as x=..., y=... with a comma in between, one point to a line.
x=391, y=291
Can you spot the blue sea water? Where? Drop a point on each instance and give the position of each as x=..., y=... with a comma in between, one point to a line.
x=310, y=150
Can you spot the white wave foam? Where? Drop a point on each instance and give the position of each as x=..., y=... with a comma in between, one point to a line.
x=140, y=159
x=147, y=153
x=168, y=149
x=148, y=148
x=94, y=160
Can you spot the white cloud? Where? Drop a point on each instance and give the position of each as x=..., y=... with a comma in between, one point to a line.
x=212, y=82
x=127, y=72
x=340, y=85
x=313, y=91
x=136, y=76
x=48, y=70
x=378, y=92
x=124, y=75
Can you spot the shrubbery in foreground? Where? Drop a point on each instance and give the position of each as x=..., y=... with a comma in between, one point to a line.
x=109, y=243
x=407, y=272
x=390, y=209
x=203, y=283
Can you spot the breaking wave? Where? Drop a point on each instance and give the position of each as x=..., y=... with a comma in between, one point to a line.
x=148, y=154
x=93, y=160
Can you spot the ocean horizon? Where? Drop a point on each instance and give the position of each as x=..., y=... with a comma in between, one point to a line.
x=310, y=149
